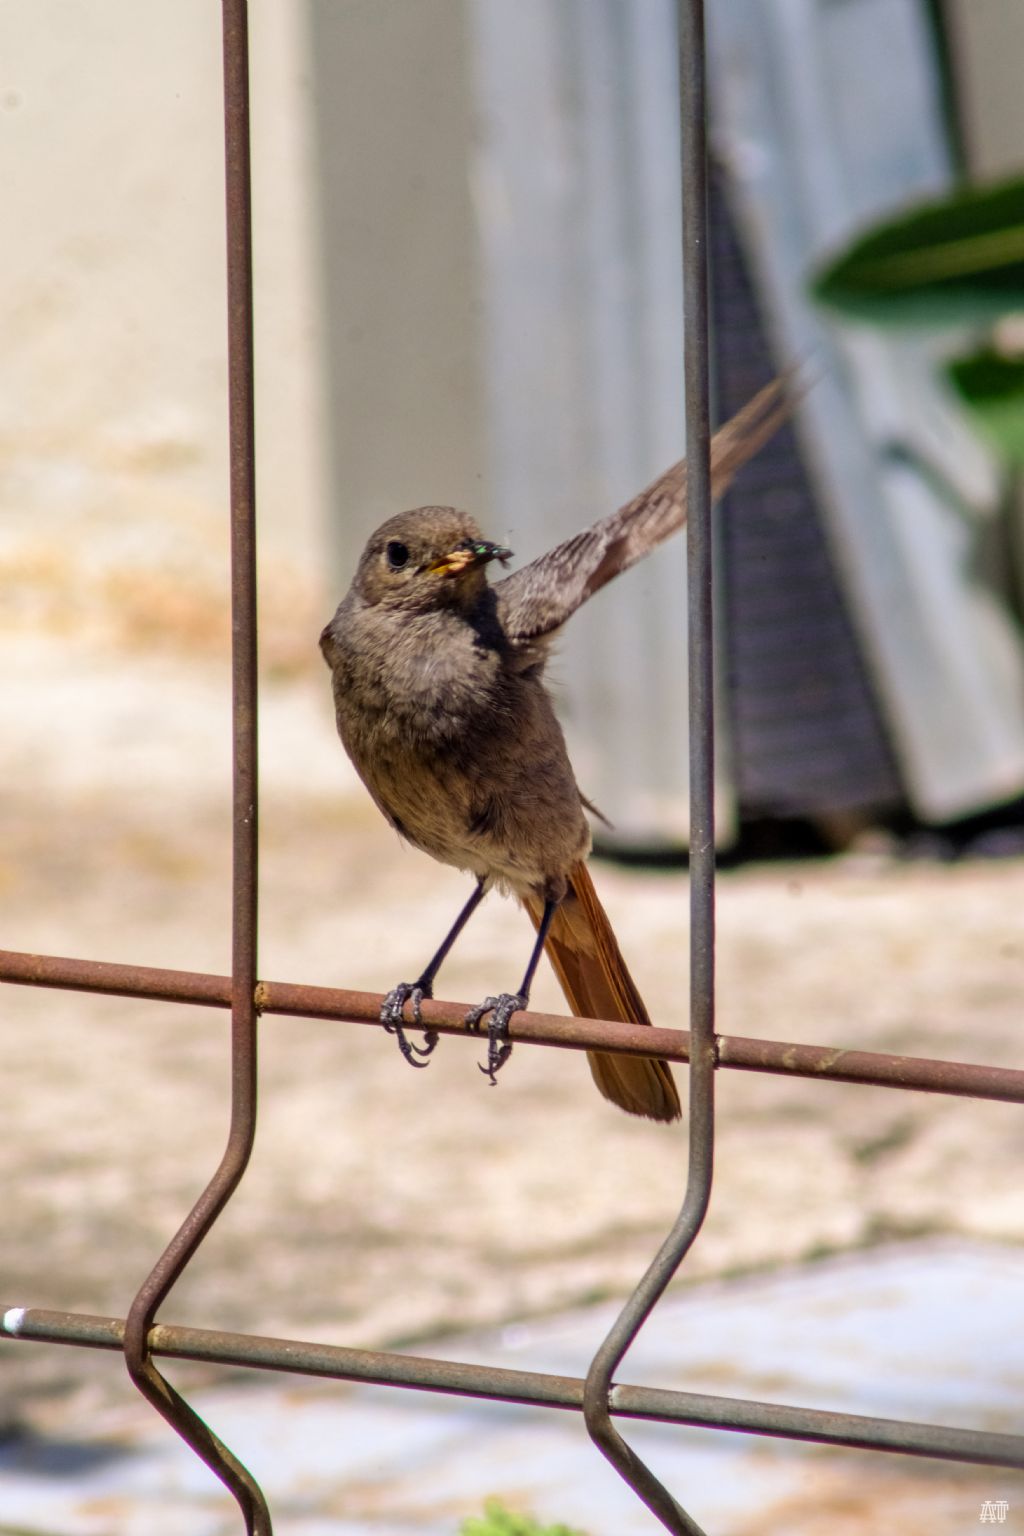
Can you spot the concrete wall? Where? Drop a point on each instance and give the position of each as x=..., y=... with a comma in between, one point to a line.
x=393, y=121
x=113, y=439
x=987, y=44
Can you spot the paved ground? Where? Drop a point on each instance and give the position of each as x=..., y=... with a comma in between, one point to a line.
x=384, y=1205
x=922, y=1330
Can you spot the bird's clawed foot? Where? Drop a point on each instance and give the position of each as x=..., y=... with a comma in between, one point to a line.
x=391, y=1017
x=499, y=1046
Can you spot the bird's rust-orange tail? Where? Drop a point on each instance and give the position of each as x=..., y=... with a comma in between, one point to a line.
x=587, y=960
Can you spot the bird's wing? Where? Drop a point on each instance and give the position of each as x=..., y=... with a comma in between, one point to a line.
x=536, y=601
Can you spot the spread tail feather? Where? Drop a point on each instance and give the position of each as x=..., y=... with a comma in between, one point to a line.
x=587, y=960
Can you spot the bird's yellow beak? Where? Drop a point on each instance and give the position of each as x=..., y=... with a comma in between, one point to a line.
x=452, y=564
x=467, y=555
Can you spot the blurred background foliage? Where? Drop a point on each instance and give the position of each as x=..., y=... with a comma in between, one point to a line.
x=955, y=263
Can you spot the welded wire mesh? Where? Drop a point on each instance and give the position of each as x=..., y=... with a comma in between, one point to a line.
x=140, y=1336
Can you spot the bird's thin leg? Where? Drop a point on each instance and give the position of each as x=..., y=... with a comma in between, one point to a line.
x=416, y=991
x=501, y=1008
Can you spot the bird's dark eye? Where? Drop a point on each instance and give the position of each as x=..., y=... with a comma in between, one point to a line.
x=397, y=553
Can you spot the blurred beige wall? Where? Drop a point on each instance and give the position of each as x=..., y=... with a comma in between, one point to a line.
x=113, y=437
x=396, y=128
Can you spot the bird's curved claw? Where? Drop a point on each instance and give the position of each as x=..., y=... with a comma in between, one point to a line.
x=499, y=1046
x=391, y=1016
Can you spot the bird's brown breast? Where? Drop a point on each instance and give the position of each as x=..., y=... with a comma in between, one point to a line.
x=462, y=753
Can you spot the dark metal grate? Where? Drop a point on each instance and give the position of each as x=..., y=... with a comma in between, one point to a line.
x=140, y=1336
x=807, y=737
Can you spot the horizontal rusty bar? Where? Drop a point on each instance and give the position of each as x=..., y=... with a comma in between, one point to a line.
x=834, y=1064
x=115, y=980
x=786, y=1058
x=529, y=1388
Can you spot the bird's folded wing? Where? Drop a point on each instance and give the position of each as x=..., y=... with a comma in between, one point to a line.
x=536, y=601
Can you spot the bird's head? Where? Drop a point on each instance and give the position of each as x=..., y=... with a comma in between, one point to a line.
x=433, y=557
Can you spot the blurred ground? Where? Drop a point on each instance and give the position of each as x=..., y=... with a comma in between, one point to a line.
x=384, y=1205
x=905, y=1330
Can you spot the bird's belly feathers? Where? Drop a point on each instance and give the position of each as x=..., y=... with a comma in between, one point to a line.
x=482, y=782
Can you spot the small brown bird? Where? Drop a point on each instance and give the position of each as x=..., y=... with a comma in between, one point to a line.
x=441, y=706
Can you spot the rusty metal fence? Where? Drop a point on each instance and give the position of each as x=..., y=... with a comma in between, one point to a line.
x=600, y=1398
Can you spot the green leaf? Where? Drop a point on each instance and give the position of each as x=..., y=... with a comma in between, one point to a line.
x=992, y=388
x=954, y=261
x=498, y=1521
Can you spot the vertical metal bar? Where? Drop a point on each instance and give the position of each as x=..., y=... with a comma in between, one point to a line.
x=242, y=1130
x=599, y=1394
x=700, y=599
